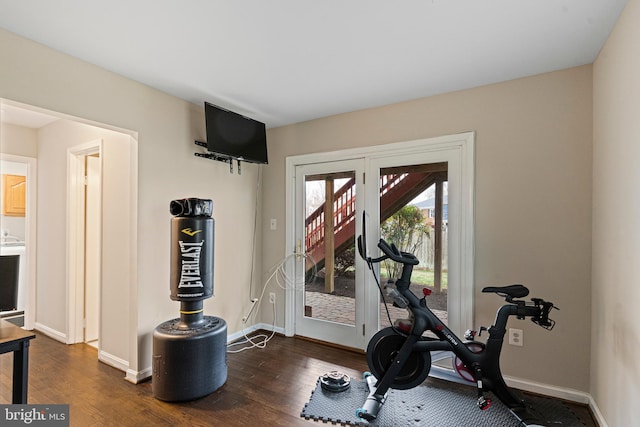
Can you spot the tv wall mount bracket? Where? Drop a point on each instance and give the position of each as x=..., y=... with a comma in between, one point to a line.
x=213, y=156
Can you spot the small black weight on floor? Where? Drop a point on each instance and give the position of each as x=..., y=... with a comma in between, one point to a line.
x=335, y=381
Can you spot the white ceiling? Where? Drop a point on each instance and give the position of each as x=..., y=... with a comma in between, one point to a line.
x=287, y=61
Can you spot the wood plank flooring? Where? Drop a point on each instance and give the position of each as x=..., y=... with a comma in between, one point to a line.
x=266, y=387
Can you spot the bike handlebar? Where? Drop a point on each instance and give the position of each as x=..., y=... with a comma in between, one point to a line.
x=392, y=252
x=545, y=308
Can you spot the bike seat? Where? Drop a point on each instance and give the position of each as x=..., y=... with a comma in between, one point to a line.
x=514, y=291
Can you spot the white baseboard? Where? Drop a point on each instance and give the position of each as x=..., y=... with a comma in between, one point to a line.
x=51, y=333
x=270, y=327
x=252, y=329
x=112, y=360
x=240, y=334
x=548, y=390
x=136, y=377
x=560, y=393
x=103, y=356
x=596, y=413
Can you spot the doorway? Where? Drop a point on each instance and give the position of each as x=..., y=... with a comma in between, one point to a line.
x=57, y=303
x=28, y=248
x=84, y=233
x=455, y=152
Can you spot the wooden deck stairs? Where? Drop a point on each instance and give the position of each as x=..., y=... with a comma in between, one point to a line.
x=398, y=186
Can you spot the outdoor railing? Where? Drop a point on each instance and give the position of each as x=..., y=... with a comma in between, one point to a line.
x=343, y=209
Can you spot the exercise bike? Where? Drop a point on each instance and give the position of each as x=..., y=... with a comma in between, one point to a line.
x=399, y=356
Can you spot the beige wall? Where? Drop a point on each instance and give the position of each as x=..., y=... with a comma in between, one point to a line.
x=615, y=339
x=18, y=140
x=533, y=199
x=54, y=140
x=167, y=169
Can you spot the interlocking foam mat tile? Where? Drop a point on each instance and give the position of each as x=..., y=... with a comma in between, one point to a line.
x=429, y=405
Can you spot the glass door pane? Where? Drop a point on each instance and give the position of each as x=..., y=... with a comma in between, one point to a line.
x=330, y=307
x=330, y=290
x=414, y=216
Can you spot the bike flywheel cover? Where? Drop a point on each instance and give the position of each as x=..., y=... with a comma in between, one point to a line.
x=459, y=366
x=335, y=381
x=382, y=350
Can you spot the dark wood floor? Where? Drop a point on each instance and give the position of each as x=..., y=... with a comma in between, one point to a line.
x=266, y=387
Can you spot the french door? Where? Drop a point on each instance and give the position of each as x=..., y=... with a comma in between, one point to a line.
x=330, y=303
x=335, y=297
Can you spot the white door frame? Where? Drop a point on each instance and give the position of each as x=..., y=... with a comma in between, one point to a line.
x=75, y=238
x=459, y=150
x=93, y=248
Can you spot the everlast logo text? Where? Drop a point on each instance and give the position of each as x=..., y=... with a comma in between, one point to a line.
x=190, y=274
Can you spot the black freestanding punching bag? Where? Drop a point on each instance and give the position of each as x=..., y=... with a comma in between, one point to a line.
x=189, y=353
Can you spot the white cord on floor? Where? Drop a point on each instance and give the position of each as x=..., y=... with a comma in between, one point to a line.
x=252, y=340
x=261, y=340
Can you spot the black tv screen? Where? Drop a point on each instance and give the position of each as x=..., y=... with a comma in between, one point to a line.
x=234, y=135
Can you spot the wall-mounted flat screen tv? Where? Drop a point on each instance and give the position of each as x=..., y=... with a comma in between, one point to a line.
x=234, y=135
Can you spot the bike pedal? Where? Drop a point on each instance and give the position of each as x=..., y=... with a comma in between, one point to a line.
x=483, y=403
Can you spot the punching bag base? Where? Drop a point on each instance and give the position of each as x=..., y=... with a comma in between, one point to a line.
x=189, y=363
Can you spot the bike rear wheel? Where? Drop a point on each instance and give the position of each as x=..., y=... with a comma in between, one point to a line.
x=383, y=348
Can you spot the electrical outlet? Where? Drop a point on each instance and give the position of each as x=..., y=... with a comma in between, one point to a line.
x=515, y=337
x=272, y=297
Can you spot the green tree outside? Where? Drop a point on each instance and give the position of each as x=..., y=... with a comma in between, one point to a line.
x=407, y=229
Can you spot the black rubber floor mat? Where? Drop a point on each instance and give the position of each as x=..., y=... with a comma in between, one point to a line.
x=429, y=405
